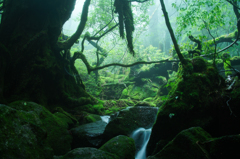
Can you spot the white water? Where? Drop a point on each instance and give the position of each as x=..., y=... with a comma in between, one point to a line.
x=105, y=118
x=141, y=136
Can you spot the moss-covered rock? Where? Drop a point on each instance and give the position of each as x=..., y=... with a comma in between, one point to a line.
x=140, y=92
x=88, y=135
x=199, y=64
x=145, y=103
x=85, y=117
x=185, y=145
x=223, y=147
x=130, y=119
x=198, y=144
x=195, y=100
x=22, y=135
x=122, y=146
x=88, y=153
x=56, y=127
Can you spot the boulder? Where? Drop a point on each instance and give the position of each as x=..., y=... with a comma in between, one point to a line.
x=56, y=126
x=21, y=135
x=88, y=153
x=185, y=145
x=122, y=146
x=197, y=99
x=198, y=144
x=88, y=135
x=223, y=147
x=130, y=119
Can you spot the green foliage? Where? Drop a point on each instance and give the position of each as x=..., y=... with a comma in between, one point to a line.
x=195, y=12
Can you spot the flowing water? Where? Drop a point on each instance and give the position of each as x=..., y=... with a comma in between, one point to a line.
x=141, y=137
x=105, y=118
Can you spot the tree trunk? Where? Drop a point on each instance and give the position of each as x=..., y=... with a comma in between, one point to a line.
x=31, y=66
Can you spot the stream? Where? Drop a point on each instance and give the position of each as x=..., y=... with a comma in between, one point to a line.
x=141, y=136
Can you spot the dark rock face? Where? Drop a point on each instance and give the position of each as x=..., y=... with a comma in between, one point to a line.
x=196, y=143
x=129, y=120
x=88, y=135
x=184, y=145
x=33, y=132
x=20, y=138
x=122, y=146
x=196, y=100
x=88, y=153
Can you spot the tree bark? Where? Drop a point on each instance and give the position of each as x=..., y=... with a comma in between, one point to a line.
x=180, y=56
x=32, y=67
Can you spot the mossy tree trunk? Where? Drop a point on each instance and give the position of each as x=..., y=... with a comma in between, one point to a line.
x=31, y=65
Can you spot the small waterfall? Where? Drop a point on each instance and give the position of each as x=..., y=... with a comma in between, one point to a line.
x=141, y=137
x=105, y=118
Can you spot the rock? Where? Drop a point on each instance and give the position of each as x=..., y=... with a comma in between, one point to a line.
x=88, y=135
x=85, y=117
x=130, y=119
x=56, y=127
x=223, y=147
x=122, y=146
x=198, y=144
x=196, y=100
x=21, y=135
x=88, y=153
x=135, y=92
x=145, y=103
x=185, y=145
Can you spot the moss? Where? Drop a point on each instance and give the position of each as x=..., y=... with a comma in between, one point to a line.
x=73, y=119
x=199, y=64
x=22, y=135
x=195, y=95
x=89, y=118
x=56, y=127
x=227, y=66
x=185, y=145
x=235, y=58
x=122, y=146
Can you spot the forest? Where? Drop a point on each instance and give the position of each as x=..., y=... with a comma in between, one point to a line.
x=119, y=79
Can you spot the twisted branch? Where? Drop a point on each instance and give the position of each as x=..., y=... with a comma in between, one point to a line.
x=81, y=56
x=69, y=43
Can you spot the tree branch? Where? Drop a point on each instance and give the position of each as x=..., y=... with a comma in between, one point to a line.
x=224, y=38
x=99, y=37
x=214, y=40
x=235, y=9
x=69, y=43
x=81, y=56
x=237, y=33
x=104, y=27
x=197, y=50
x=180, y=56
x=233, y=4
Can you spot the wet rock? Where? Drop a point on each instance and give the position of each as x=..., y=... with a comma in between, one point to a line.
x=88, y=135
x=130, y=119
x=122, y=146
